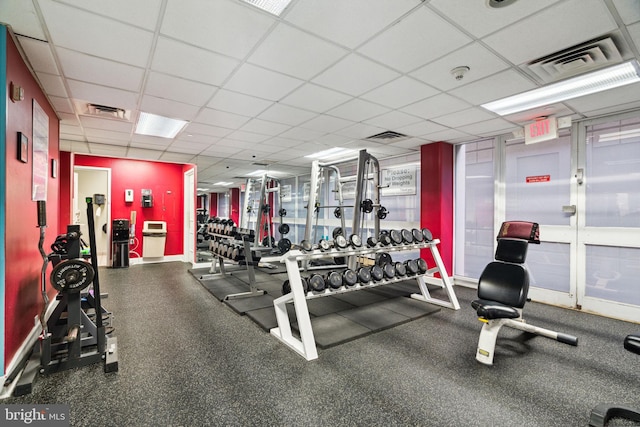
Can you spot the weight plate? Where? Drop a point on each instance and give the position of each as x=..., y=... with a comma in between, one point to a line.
x=411, y=266
x=324, y=245
x=385, y=239
x=383, y=258
x=336, y=232
x=401, y=269
x=235, y=254
x=426, y=233
x=283, y=228
x=382, y=212
x=268, y=241
x=376, y=272
x=389, y=270
x=417, y=235
x=364, y=274
x=339, y=260
x=72, y=276
x=341, y=241
x=372, y=242
x=306, y=246
x=334, y=280
x=422, y=265
x=305, y=284
x=407, y=236
x=316, y=283
x=286, y=287
x=349, y=277
x=284, y=245
x=282, y=212
x=337, y=212
x=366, y=206
x=355, y=241
x=396, y=237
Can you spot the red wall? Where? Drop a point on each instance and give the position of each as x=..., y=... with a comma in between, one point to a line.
x=66, y=189
x=23, y=261
x=436, y=198
x=234, y=205
x=213, y=204
x=165, y=180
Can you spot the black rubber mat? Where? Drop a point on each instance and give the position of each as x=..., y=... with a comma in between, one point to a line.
x=409, y=307
x=244, y=305
x=327, y=305
x=266, y=317
x=375, y=317
x=221, y=288
x=334, y=329
x=360, y=298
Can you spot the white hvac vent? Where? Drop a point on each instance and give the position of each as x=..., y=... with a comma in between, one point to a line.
x=102, y=111
x=576, y=60
x=387, y=137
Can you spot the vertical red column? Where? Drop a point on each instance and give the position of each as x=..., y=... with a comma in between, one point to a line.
x=436, y=198
x=213, y=204
x=234, y=204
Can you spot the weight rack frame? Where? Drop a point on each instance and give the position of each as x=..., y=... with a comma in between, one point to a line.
x=305, y=346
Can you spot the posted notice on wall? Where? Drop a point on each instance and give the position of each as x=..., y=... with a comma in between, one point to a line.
x=40, y=174
x=399, y=181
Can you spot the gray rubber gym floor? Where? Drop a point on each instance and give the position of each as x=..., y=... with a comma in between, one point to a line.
x=187, y=359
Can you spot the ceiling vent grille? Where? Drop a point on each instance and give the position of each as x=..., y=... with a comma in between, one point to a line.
x=597, y=53
x=101, y=111
x=386, y=137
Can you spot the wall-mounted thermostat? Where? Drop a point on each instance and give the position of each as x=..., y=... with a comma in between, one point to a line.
x=128, y=195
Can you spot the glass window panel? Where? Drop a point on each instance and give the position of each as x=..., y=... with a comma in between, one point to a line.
x=548, y=265
x=612, y=273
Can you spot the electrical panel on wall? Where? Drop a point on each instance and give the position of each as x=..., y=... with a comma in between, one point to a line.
x=147, y=199
x=128, y=195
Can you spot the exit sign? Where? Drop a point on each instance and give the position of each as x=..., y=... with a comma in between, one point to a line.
x=541, y=130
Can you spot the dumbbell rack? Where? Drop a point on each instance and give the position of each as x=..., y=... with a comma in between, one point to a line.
x=305, y=345
x=248, y=261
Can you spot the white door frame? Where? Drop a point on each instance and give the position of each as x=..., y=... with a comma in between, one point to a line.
x=189, y=216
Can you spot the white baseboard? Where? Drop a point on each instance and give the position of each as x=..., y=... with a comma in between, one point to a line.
x=169, y=258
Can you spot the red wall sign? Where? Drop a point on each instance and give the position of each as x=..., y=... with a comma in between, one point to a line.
x=538, y=178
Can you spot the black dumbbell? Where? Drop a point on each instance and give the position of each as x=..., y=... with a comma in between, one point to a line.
x=340, y=242
x=333, y=280
x=372, y=242
x=364, y=274
x=389, y=270
x=401, y=269
x=417, y=235
x=426, y=233
x=411, y=266
x=349, y=277
x=324, y=245
x=396, y=237
x=422, y=265
x=407, y=236
x=316, y=283
x=377, y=273
x=355, y=241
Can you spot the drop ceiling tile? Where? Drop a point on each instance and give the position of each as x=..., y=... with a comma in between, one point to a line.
x=355, y=75
x=77, y=147
x=102, y=95
x=295, y=53
x=68, y=119
x=177, y=89
x=69, y=129
x=53, y=84
x=393, y=120
x=634, y=32
x=332, y=140
x=139, y=153
x=481, y=63
x=358, y=110
x=315, y=98
x=479, y=19
x=251, y=137
x=589, y=19
x=421, y=128
x=106, y=141
x=464, y=117
x=233, y=102
x=141, y=14
x=447, y=135
x=348, y=23
x=505, y=83
x=325, y=123
x=108, y=150
x=107, y=124
x=176, y=157
x=207, y=130
x=196, y=139
x=168, y=108
x=221, y=119
x=256, y=81
x=379, y=151
x=150, y=140
x=412, y=143
x=609, y=98
x=22, y=17
x=493, y=127
x=90, y=69
x=400, y=92
x=436, y=106
x=281, y=113
x=282, y=142
x=38, y=52
x=360, y=131
x=409, y=44
x=193, y=63
x=61, y=105
x=103, y=133
x=65, y=23
x=222, y=26
x=302, y=134
x=264, y=127
x=220, y=150
x=628, y=10
x=65, y=145
x=191, y=149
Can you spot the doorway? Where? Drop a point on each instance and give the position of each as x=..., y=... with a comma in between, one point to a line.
x=89, y=181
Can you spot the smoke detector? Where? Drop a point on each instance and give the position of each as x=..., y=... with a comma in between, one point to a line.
x=459, y=72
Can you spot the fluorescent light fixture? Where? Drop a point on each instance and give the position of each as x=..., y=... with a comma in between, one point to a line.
x=616, y=136
x=586, y=84
x=222, y=184
x=154, y=125
x=331, y=153
x=202, y=189
x=274, y=7
x=257, y=173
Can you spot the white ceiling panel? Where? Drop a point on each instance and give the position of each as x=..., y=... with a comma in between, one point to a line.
x=409, y=44
x=302, y=134
x=168, y=108
x=348, y=23
x=393, y=120
x=124, y=43
x=141, y=13
x=233, y=102
x=190, y=62
x=223, y=26
x=254, y=138
x=193, y=138
x=358, y=110
x=22, y=17
x=102, y=95
x=53, y=84
x=296, y=53
x=629, y=10
x=281, y=113
x=464, y=117
x=76, y=146
x=87, y=68
x=39, y=54
x=177, y=89
x=108, y=150
x=221, y=119
x=207, y=130
x=72, y=130
x=493, y=126
x=107, y=124
x=610, y=98
x=253, y=80
x=109, y=134
x=182, y=147
x=414, y=143
x=505, y=83
x=151, y=140
x=360, y=131
x=62, y=105
x=480, y=60
x=265, y=127
x=424, y=127
x=176, y=157
x=282, y=142
x=447, y=135
x=220, y=150
x=68, y=118
x=436, y=106
x=144, y=154
x=400, y=92
x=480, y=19
x=634, y=32
x=315, y=98
x=106, y=141
x=355, y=75
x=324, y=123
x=589, y=19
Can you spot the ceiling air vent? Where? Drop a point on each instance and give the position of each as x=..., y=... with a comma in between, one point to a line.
x=387, y=137
x=106, y=111
x=597, y=53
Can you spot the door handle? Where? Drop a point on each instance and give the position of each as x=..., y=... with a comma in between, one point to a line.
x=569, y=209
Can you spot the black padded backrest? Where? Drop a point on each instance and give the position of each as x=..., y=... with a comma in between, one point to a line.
x=506, y=283
x=512, y=250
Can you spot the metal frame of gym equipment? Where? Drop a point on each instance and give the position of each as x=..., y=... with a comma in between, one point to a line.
x=267, y=185
x=305, y=346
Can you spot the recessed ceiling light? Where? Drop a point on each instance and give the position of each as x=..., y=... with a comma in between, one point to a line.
x=586, y=84
x=274, y=7
x=154, y=125
x=223, y=184
x=331, y=153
